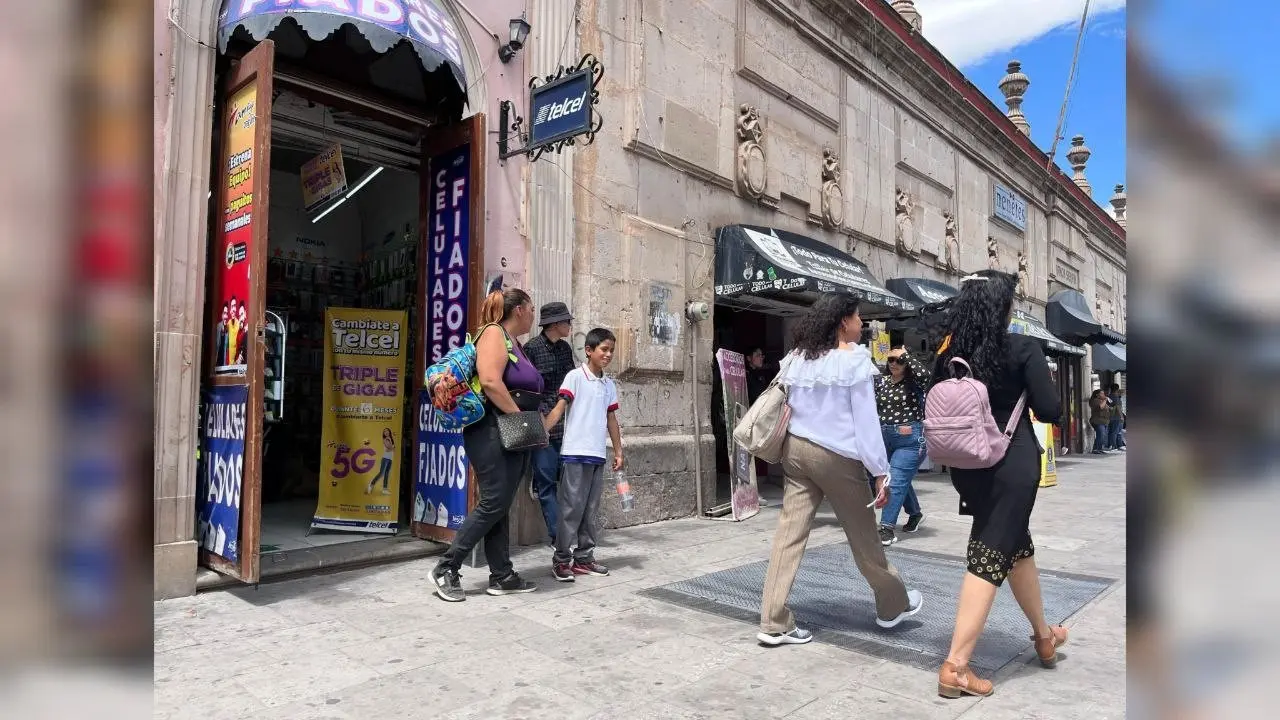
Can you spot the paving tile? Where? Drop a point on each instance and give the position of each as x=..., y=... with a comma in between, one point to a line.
x=728, y=692
x=304, y=676
x=868, y=703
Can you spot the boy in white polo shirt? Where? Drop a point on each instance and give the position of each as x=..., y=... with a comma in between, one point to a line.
x=591, y=400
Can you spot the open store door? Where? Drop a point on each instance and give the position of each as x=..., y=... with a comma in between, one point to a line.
x=229, y=489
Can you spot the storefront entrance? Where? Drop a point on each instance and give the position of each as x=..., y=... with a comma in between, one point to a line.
x=337, y=272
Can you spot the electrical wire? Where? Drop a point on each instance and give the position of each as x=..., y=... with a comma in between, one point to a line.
x=1071, y=79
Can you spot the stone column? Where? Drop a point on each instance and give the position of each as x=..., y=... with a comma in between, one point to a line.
x=1078, y=155
x=1014, y=87
x=183, y=130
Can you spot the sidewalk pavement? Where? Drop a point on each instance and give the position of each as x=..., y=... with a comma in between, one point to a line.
x=376, y=643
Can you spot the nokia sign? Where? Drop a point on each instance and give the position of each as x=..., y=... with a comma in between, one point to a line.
x=560, y=109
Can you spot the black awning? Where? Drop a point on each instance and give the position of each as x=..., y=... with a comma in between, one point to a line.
x=1109, y=357
x=1027, y=324
x=422, y=23
x=1068, y=316
x=767, y=262
x=921, y=291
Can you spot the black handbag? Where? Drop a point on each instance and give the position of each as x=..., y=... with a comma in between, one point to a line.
x=522, y=431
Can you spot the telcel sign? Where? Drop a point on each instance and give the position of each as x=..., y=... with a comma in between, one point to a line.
x=560, y=109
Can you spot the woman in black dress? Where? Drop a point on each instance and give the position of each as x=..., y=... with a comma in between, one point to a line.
x=999, y=498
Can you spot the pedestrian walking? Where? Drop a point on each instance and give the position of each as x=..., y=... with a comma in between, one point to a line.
x=999, y=498
x=551, y=354
x=833, y=439
x=1115, y=428
x=1100, y=420
x=589, y=405
x=510, y=384
x=900, y=403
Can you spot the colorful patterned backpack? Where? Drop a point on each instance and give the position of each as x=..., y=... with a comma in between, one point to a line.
x=454, y=386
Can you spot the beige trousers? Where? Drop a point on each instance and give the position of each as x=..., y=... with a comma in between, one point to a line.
x=813, y=473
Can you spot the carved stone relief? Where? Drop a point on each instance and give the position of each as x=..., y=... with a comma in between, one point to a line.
x=993, y=253
x=751, y=158
x=952, y=244
x=832, y=195
x=906, y=234
x=1024, y=275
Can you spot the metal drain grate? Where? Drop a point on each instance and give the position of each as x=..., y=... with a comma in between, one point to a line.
x=833, y=600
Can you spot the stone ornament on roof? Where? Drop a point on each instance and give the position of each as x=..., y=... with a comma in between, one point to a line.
x=1014, y=87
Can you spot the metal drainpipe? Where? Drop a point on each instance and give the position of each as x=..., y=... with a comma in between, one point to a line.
x=697, y=417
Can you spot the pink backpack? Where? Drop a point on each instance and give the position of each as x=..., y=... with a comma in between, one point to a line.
x=959, y=430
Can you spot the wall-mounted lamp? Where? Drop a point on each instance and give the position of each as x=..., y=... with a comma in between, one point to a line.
x=519, y=33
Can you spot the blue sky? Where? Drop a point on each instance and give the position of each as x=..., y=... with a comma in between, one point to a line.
x=982, y=36
x=1230, y=74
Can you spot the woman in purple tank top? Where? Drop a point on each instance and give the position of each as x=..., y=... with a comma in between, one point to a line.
x=510, y=383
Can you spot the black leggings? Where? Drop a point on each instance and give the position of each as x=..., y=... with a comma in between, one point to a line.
x=498, y=476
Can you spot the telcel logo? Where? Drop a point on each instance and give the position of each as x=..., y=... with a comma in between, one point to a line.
x=560, y=109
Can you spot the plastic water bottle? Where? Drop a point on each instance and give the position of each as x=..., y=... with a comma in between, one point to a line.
x=624, y=491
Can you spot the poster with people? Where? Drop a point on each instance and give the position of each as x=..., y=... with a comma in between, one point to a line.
x=235, y=237
x=221, y=475
x=744, y=496
x=361, y=433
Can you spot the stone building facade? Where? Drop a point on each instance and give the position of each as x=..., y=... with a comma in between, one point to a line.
x=835, y=120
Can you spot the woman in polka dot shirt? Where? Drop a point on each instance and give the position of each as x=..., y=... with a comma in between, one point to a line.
x=900, y=402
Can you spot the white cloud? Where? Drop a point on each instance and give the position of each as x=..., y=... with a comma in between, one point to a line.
x=971, y=31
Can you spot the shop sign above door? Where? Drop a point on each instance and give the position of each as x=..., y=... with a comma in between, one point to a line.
x=562, y=107
x=1010, y=207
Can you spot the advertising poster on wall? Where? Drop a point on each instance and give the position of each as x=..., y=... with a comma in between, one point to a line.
x=323, y=177
x=230, y=262
x=361, y=433
x=744, y=497
x=441, y=488
x=221, y=475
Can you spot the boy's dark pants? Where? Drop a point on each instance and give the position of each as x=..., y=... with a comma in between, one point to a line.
x=579, y=500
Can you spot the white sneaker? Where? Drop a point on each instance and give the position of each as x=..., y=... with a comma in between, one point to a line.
x=914, y=602
x=797, y=636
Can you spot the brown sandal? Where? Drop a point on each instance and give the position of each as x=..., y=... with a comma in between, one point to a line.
x=954, y=682
x=1047, y=647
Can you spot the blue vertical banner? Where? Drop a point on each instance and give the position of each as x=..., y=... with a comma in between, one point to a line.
x=220, y=482
x=440, y=491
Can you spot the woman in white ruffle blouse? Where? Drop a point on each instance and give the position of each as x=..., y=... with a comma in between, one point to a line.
x=833, y=440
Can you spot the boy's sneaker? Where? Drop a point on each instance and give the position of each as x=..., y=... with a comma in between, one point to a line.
x=797, y=636
x=562, y=572
x=590, y=567
x=913, y=523
x=887, y=536
x=512, y=584
x=448, y=584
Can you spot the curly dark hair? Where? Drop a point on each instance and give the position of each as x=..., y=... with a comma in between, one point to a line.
x=819, y=329
x=978, y=323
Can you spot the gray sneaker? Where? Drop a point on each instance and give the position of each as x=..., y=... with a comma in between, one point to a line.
x=448, y=584
x=914, y=602
x=798, y=636
x=512, y=584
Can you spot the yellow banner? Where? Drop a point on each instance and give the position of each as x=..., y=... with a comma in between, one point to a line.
x=323, y=177
x=880, y=346
x=1048, y=458
x=361, y=438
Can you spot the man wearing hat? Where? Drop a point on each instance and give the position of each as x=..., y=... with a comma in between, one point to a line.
x=551, y=354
